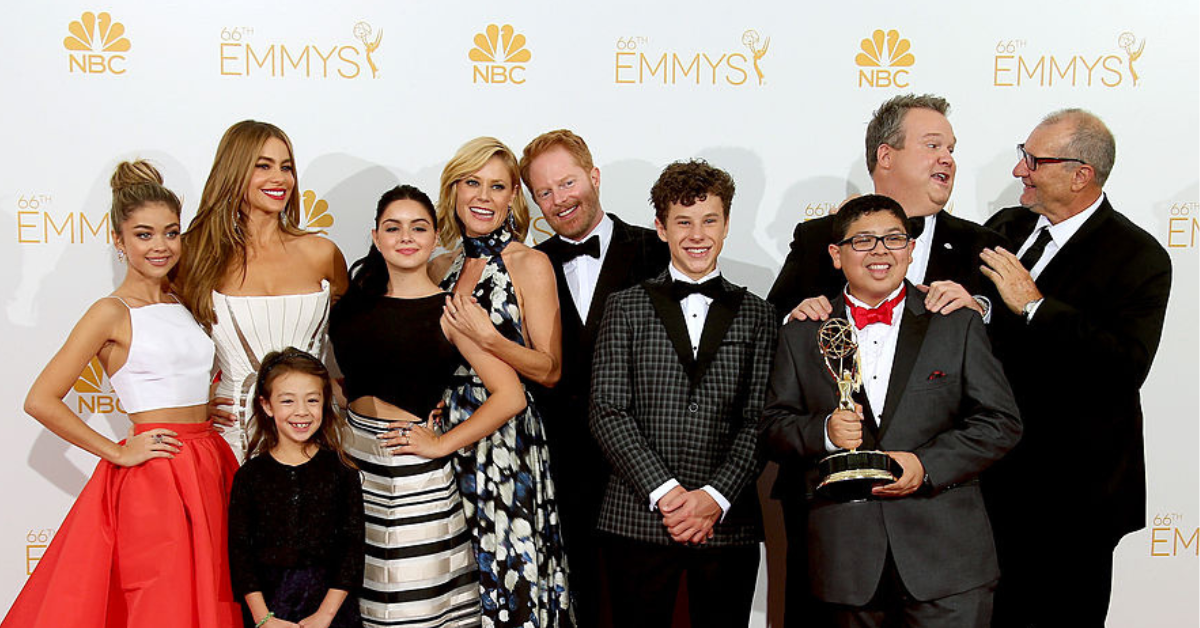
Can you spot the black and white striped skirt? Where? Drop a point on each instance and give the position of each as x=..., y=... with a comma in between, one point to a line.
x=420, y=568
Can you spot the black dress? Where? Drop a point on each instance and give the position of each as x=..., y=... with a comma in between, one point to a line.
x=294, y=533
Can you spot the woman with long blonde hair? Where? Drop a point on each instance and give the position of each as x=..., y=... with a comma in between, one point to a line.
x=251, y=274
x=505, y=300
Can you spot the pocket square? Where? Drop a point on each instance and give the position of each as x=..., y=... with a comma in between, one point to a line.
x=936, y=375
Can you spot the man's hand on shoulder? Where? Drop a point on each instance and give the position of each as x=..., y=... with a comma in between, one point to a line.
x=944, y=297
x=812, y=309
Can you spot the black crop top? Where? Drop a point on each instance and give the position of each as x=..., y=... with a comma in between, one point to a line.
x=393, y=349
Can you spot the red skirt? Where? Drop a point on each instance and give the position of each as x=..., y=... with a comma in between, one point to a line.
x=143, y=546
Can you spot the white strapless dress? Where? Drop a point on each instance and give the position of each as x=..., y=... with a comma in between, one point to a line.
x=250, y=327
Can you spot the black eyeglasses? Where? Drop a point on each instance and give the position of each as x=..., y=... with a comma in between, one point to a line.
x=1032, y=162
x=866, y=242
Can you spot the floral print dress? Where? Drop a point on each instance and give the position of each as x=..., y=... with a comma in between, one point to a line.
x=507, y=493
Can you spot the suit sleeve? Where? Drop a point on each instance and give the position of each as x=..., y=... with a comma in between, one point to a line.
x=988, y=423
x=790, y=430
x=744, y=462
x=610, y=415
x=789, y=288
x=1124, y=335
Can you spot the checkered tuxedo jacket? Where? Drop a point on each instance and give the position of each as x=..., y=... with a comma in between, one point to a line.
x=658, y=413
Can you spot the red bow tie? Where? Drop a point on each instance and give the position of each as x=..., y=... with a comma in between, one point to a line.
x=864, y=316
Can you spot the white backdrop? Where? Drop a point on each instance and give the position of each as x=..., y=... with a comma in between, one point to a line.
x=374, y=94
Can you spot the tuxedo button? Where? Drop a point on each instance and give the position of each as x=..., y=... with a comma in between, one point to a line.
x=693, y=407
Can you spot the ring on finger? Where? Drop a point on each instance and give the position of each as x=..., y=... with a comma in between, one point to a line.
x=158, y=439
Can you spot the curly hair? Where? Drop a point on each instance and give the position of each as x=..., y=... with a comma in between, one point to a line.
x=685, y=182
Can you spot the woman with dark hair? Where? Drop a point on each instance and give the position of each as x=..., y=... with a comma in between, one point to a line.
x=144, y=545
x=250, y=273
x=398, y=357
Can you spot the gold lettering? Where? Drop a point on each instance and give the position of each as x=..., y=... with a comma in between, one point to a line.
x=225, y=57
x=285, y=60
x=342, y=56
x=661, y=65
x=270, y=58
x=22, y=226
x=996, y=70
x=1041, y=72
x=620, y=66
x=48, y=224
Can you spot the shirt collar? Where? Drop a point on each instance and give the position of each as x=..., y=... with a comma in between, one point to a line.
x=678, y=275
x=851, y=299
x=1062, y=232
x=604, y=229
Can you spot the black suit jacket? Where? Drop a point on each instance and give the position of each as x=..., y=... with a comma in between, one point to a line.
x=1077, y=369
x=634, y=255
x=808, y=271
x=658, y=413
x=948, y=403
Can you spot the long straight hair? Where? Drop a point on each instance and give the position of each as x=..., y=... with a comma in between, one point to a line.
x=265, y=435
x=216, y=239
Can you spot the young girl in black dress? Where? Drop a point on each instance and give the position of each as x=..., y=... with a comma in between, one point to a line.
x=296, y=513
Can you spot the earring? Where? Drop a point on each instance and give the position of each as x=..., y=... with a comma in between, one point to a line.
x=233, y=222
x=121, y=256
x=511, y=222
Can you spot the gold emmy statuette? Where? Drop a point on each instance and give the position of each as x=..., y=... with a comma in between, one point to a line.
x=848, y=475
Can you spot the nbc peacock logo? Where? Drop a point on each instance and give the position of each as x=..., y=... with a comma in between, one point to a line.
x=499, y=55
x=93, y=392
x=317, y=217
x=95, y=44
x=883, y=60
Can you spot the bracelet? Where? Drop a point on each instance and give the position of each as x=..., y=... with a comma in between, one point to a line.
x=264, y=620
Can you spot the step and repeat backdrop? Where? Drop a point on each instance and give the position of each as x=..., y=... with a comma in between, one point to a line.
x=779, y=94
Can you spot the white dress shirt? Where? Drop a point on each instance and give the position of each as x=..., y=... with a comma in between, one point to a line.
x=876, y=352
x=583, y=272
x=695, y=312
x=1059, y=235
x=920, y=255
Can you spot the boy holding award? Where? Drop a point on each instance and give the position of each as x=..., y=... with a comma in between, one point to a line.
x=925, y=390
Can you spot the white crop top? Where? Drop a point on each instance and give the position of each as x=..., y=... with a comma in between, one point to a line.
x=170, y=360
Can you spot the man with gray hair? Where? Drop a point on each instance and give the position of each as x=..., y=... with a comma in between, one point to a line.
x=910, y=156
x=1084, y=297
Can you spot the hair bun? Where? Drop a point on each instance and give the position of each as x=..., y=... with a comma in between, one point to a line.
x=131, y=173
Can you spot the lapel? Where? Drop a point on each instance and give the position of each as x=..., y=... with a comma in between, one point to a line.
x=616, y=267
x=1064, y=261
x=943, y=257
x=908, y=345
x=870, y=431
x=721, y=313
x=671, y=315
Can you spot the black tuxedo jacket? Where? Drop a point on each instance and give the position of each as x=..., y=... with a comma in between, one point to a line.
x=658, y=413
x=808, y=271
x=634, y=255
x=948, y=403
x=1077, y=369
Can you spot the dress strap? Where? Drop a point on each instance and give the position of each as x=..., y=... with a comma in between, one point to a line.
x=113, y=296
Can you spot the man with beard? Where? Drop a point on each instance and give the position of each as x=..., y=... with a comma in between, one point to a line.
x=594, y=255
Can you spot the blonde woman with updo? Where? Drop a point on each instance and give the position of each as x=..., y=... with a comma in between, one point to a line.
x=251, y=275
x=145, y=543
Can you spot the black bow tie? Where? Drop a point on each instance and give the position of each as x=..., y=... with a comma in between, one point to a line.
x=680, y=290
x=567, y=250
x=916, y=226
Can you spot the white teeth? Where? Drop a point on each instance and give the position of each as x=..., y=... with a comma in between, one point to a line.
x=567, y=212
x=275, y=194
x=483, y=212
